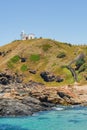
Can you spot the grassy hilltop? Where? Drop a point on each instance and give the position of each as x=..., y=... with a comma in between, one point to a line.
x=31, y=57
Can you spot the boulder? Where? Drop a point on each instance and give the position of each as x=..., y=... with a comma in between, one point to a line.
x=50, y=77
x=23, y=59
x=4, y=81
x=32, y=71
x=5, y=78
x=47, y=76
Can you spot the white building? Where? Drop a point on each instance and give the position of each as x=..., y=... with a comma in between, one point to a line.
x=31, y=36
x=25, y=36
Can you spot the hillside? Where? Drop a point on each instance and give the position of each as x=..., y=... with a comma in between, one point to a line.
x=44, y=59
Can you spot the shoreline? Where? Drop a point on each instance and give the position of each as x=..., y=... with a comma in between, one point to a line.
x=19, y=99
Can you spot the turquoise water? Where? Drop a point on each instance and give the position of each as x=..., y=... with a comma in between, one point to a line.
x=61, y=118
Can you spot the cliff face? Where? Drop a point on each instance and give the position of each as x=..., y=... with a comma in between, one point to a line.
x=44, y=61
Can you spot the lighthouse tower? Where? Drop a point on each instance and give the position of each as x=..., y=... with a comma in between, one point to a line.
x=23, y=35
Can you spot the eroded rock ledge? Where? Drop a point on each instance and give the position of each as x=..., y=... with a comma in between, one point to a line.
x=18, y=99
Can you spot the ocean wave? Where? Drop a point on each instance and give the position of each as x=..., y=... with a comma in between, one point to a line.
x=61, y=108
x=58, y=109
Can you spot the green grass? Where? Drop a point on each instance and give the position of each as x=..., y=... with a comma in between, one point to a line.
x=12, y=61
x=35, y=57
x=15, y=59
x=68, y=76
x=24, y=68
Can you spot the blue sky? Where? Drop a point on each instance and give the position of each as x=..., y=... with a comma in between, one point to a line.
x=62, y=20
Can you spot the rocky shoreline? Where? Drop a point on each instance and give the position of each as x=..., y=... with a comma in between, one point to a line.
x=18, y=99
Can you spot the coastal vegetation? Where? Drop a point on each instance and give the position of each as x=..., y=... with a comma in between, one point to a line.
x=57, y=60
x=32, y=72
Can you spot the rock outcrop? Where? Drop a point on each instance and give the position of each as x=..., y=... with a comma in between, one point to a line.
x=6, y=79
x=18, y=99
x=49, y=77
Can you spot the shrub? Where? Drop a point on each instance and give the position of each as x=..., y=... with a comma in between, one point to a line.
x=61, y=55
x=24, y=68
x=82, y=68
x=79, y=63
x=69, y=44
x=35, y=57
x=15, y=59
x=46, y=47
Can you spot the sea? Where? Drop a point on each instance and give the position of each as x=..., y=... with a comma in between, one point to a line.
x=60, y=118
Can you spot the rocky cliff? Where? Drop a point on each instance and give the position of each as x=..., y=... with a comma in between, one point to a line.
x=18, y=99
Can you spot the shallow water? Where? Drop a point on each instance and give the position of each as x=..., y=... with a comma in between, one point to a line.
x=61, y=118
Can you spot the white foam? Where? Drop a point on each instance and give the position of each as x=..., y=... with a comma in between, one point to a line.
x=58, y=108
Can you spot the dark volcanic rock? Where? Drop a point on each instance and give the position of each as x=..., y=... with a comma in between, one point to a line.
x=48, y=77
x=4, y=81
x=32, y=71
x=59, y=79
x=23, y=59
x=5, y=78
x=3, y=53
x=43, y=99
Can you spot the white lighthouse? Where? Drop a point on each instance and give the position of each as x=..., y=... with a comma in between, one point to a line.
x=24, y=36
